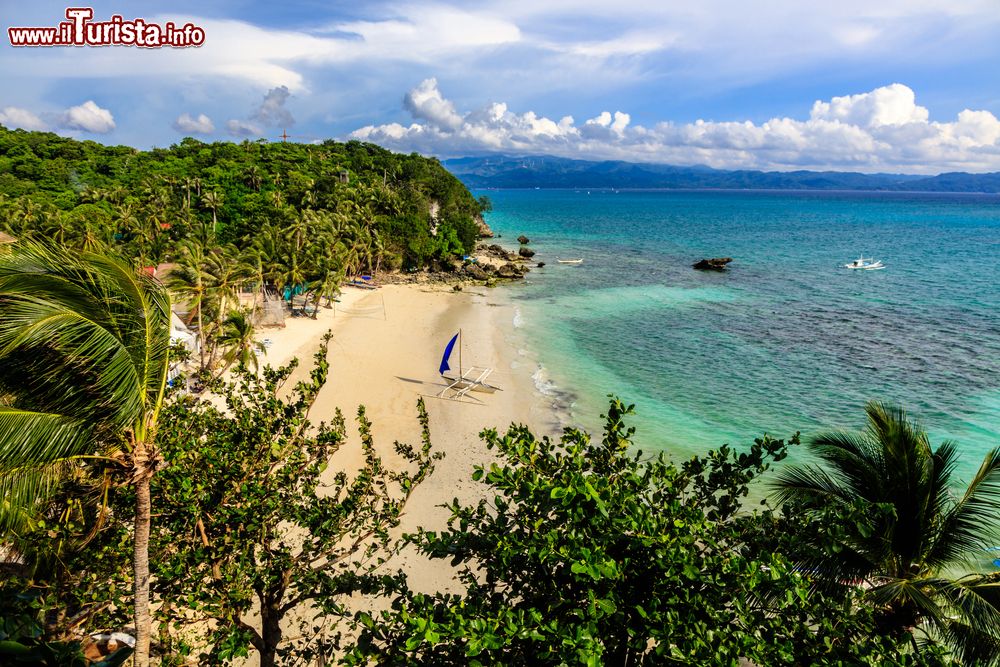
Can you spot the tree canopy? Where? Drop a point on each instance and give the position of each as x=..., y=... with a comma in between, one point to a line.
x=84, y=193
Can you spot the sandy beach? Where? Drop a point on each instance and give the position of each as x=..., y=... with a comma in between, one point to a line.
x=386, y=358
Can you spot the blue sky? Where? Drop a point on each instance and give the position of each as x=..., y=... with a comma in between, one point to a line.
x=894, y=85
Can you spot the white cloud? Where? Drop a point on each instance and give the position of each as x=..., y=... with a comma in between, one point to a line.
x=270, y=113
x=425, y=103
x=243, y=128
x=884, y=129
x=272, y=109
x=14, y=117
x=88, y=117
x=415, y=30
x=631, y=44
x=201, y=124
x=236, y=49
x=890, y=105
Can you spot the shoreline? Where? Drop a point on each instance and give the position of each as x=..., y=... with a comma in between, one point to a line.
x=388, y=363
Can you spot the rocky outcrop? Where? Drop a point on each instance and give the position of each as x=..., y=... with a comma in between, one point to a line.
x=433, y=211
x=523, y=240
x=498, y=253
x=714, y=264
x=526, y=252
x=475, y=271
x=484, y=230
x=511, y=270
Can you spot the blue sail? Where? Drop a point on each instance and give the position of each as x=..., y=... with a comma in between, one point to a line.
x=447, y=353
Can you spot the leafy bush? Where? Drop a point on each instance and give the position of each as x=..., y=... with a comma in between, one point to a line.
x=590, y=553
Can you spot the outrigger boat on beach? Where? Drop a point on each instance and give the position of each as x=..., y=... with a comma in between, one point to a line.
x=468, y=379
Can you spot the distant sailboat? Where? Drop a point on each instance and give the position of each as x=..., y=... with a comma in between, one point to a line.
x=466, y=379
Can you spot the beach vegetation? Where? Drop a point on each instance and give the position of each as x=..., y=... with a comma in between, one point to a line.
x=592, y=553
x=897, y=521
x=84, y=342
x=217, y=221
x=261, y=535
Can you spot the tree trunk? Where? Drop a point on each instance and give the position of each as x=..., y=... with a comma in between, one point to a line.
x=141, y=561
x=270, y=625
x=201, y=329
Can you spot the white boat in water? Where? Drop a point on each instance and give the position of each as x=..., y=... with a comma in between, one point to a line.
x=865, y=264
x=570, y=261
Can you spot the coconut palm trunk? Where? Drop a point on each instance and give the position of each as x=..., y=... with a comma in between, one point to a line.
x=140, y=564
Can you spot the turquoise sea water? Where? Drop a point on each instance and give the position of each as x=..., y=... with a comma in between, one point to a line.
x=787, y=339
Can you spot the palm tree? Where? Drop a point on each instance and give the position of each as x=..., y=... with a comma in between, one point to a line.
x=226, y=274
x=901, y=529
x=84, y=342
x=189, y=281
x=237, y=341
x=213, y=201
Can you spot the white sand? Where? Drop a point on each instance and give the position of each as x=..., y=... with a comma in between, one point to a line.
x=387, y=364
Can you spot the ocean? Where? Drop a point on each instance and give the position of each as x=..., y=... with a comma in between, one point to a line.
x=787, y=339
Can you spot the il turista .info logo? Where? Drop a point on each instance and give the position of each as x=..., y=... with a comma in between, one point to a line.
x=79, y=29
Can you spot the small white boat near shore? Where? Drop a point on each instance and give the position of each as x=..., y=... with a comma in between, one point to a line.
x=865, y=264
x=570, y=261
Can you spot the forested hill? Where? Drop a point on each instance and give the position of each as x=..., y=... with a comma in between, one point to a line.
x=554, y=172
x=351, y=205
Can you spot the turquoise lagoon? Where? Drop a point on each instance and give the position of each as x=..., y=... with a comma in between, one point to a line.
x=787, y=339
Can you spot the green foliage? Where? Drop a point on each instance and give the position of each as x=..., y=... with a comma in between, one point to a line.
x=83, y=360
x=23, y=642
x=253, y=518
x=145, y=202
x=588, y=553
x=882, y=510
x=237, y=341
x=84, y=345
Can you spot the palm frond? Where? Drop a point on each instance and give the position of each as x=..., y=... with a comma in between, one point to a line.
x=971, y=524
x=84, y=341
x=24, y=492
x=855, y=460
x=971, y=622
x=809, y=483
x=41, y=438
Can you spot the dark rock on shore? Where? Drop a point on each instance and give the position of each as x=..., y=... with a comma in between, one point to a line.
x=510, y=270
x=714, y=264
x=496, y=251
x=523, y=240
x=475, y=271
x=526, y=252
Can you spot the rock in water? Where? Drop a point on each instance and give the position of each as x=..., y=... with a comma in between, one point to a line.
x=714, y=264
x=526, y=252
x=523, y=240
x=541, y=264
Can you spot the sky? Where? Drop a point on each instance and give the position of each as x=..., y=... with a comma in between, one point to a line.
x=907, y=86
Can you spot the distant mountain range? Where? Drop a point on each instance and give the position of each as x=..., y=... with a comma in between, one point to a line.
x=555, y=172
